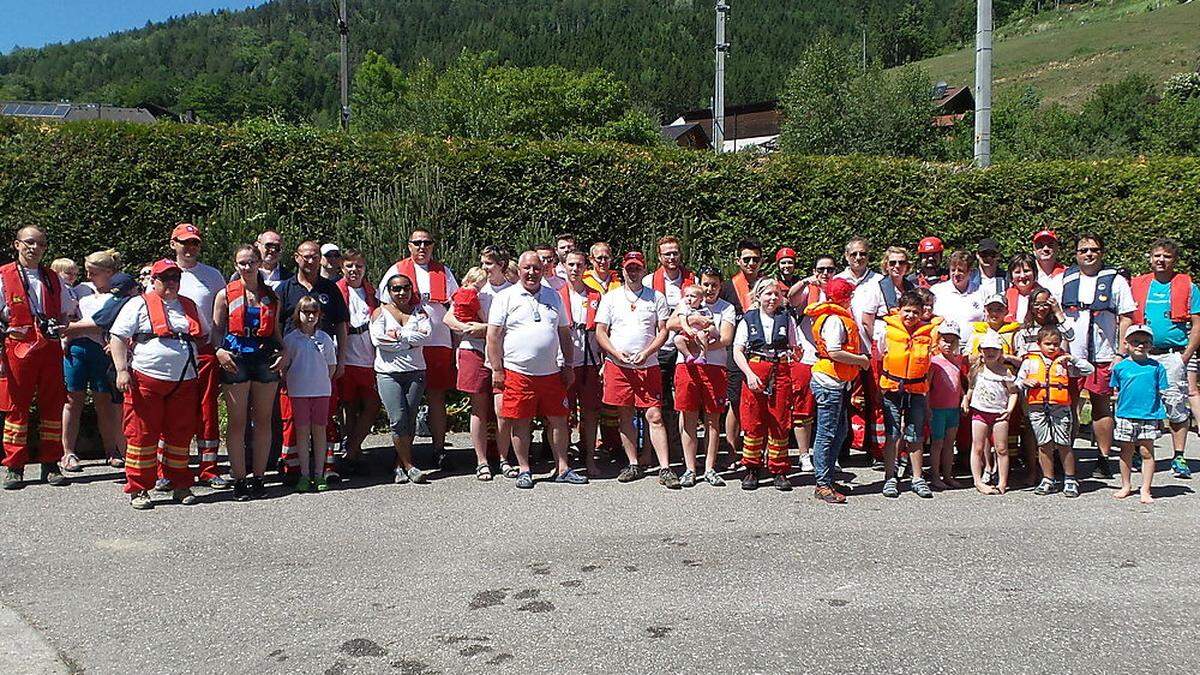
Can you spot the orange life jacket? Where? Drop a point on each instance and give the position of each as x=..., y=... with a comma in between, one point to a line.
x=906, y=357
x=593, y=303
x=156, y=307
x=1180, y=297
x=742, y=286
x=821, y=312
x=20, y=311
x=981, y=329
x=659, y=281
x=437, y=279
x=235, y=296
x=594, y=282
x=1052, y=378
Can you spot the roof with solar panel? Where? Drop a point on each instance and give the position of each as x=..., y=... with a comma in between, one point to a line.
x=70, y=112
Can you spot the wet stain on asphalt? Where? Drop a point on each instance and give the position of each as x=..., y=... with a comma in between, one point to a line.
x=837, y=602
x=631, y=568
x=413, y=667
x=527, y=594
x=692, y=563
x=338, y=668
x=1126, y=564
x=362, y=647
x=455, y=639
x=571, y=583
x=539, y=568
x=658, y=632
x=473, y=650
x=589, y=568
x=536, y=607
x=502, y=657
x=484, y=599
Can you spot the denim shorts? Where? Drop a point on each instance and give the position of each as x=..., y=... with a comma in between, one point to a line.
x=87, y=366
x=942, y=422
x=251, y=367
x=912, y=407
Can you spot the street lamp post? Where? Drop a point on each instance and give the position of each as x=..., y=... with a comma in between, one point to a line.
x=722, y=47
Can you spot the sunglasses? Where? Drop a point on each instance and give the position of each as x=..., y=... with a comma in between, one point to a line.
x=421, y=242
x=897, y=263
x=398, y=289
x=750, y=258
x=988, y=254
x=188, y=242
x=272, y=247
x=825, y=270
x=857, y=254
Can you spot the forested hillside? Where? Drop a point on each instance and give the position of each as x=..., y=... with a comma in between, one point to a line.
x=281, y=58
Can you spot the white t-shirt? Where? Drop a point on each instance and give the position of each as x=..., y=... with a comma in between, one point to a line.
x=310, y=357
x=530, y=322
x=723, y=314
x=88, y=306
x=1103, y=326
x=437, y=312
x=582, y=339
x=200, y=284
x=866, y=298
x=673, y=294
x=398, y=348
x=486, y=295
x=160, y=358
x=33, y=282
x=632, y=321
x=961, y=307
x=359, y=350
x=1052, y=283
x=991, y=391
x=834, y=334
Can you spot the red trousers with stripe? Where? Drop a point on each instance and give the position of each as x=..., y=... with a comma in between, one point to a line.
x=37, y=376
x=289, y=458
x=767, y=420
x=208, y=429
x=159, y=410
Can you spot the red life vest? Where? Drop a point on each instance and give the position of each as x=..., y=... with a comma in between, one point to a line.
x=1180, y=294
x=1012, y=298
x=368, y=291
x=437, y=279
x=659, y=282
x=20, y=312
x=742, y=286
x=235, y=297
x=156, y=307
x=593, y=303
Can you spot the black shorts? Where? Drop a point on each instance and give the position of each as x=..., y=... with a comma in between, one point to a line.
x=733, y=392
x=251, y=367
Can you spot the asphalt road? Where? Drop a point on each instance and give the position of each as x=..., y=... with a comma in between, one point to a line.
x=461, y=576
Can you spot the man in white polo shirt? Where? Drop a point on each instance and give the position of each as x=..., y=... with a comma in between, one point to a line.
x=529, y=334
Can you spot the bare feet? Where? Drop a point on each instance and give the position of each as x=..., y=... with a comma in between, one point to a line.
x=1002, y=488
x=1122, y=493
x=1146, y=498
x=985, y=489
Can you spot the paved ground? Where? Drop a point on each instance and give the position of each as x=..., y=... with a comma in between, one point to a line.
x=459, y=576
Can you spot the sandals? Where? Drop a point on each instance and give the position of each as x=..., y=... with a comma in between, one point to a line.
x=70, y=463
x=483, y=472
x=508, y=470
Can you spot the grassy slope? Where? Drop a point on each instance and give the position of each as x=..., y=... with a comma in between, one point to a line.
x=1065, y=55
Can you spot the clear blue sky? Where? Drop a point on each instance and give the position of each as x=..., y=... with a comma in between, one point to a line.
x=33, y=23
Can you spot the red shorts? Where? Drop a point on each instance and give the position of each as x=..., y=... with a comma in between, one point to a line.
x=473, y=376
x=527, y=396
x=1097, y=382
x=357, y=384
x=585, y=391
x=637, y=387
x=439, y=367
x=804, y=406
x=700, y=388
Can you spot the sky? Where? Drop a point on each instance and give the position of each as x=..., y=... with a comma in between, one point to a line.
x=33, y=23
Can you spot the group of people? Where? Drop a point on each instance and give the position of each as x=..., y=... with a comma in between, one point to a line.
x=957, y=354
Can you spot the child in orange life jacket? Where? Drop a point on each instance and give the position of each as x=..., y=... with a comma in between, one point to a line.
x=990, y=400
x=946, y=375
x=312, y=358
x=1045, y=377
x=465, y=300
x=996, y=307
x=904, y=380
x=1140, y=381
x=697, y=328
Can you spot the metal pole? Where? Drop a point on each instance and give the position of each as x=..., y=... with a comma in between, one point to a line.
x=864, y=49
x=719, y=87
x=344, y=76
x=983, y=83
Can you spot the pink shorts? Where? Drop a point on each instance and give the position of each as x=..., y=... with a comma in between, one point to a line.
x=310, y=411
x=988, y=418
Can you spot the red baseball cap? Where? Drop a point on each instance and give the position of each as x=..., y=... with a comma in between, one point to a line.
x=185, y=231
x=839, y=290
x=162, y=266
x=785, y=252
x=633, y=257
x=930, y=245
x=1045, y=234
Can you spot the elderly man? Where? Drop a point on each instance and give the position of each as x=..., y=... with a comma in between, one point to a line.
x=33, y=304
x=270, y=247
x=1049, y=269
x=527, y=332
x=550, y=265
x=631, y=326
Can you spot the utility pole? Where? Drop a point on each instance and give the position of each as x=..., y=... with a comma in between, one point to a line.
x=719, y=86
x=983, y=83
x=344, y=76
x=864, y=49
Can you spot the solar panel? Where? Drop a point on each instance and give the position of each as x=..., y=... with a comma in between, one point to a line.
x=9, y=109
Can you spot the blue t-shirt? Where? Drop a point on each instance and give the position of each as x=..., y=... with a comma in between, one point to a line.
x=1139, y=387
x=1167, y=333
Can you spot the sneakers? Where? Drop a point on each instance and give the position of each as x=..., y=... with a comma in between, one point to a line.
x=688, y=479
x=162, y=485
x=183, y=496
x=921, y=487
x=303, y=484
x=829, y=495
x=891, y=488
x=781, y=483
x=668, y=479
x=629, y=474
x=217, y=482
x=571, y=477
x=987, y=476
x=1180, y=468
x=417, y=476
x=257, y=490
x=321, y=484
x=13, y=479
x=52, y=474
x=714, y=479
x=806, y=463
x=1070, y=487
x=525, y=480
x=1047, y=486
x=141, y=501
x=241, y=490
x=877, y=465
x=750, y=479
x=1102, y=470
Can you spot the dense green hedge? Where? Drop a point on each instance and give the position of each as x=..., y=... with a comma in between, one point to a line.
x=99, y=184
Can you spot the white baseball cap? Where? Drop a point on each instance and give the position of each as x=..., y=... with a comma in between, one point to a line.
x=326, y=249
x=991, y=340
x=1139, y=328
x=996, y=299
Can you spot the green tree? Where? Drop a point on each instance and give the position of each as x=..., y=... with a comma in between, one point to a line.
x=376, y=94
